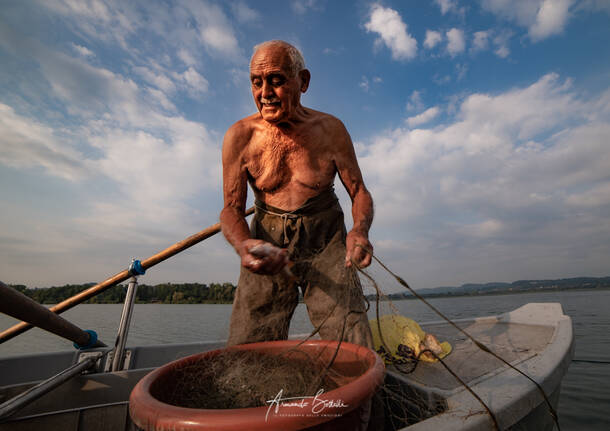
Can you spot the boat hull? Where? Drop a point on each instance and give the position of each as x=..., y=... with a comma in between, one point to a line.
x=536, y=338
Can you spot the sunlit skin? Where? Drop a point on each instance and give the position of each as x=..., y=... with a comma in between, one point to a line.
x=287, y=153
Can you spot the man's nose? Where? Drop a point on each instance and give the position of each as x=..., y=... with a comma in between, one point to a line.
x=267, y=90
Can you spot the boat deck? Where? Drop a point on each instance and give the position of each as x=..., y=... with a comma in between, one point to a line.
x=511, y=341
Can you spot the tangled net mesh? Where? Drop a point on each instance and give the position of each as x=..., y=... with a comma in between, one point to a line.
x=240, y=379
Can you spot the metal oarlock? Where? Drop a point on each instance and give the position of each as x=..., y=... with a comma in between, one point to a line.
x=121, y=339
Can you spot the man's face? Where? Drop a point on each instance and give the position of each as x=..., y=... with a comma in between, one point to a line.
x=276, y=91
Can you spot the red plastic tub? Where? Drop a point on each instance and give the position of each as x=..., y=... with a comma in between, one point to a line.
x=337, y=409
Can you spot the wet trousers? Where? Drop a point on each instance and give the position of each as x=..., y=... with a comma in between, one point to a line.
x=314, y=235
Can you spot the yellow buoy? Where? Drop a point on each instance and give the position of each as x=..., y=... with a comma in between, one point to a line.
x=397, y=330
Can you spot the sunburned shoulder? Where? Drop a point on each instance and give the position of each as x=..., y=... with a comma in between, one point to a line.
x=241, y=131
x=330, y=123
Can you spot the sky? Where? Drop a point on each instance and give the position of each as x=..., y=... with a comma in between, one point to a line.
x=482, y=129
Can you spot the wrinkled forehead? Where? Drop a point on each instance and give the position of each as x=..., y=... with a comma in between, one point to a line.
x=271, y=58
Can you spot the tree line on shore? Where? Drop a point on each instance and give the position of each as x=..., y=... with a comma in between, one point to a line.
x=165, y=293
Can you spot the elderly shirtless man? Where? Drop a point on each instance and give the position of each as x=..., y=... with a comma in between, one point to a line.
x=290, y=154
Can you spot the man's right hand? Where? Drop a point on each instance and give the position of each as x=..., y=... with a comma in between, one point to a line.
x=261, y=257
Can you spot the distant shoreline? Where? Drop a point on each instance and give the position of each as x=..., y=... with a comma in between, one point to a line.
x=217, y=293
x=494, y=293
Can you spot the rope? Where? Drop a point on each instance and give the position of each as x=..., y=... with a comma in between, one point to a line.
x=590, y=361
x=480, y=345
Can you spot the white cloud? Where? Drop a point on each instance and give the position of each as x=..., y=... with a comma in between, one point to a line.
x=449, y=6
x=187, y=57
x=244, y=13
x=152, y=161
x=480, y=41
x=433, y=38
x=301, y=7
x=514, y=177
x=184, y=25
x=501, y=44
x=461, y=69
x=542, y=18
x=498, y=39
x=364, y=83
x=550, y=19
x=96, y=18
x=195, y=81
x=455, y=41
x=423, y=118
x=157, y=78
x=392, y=31
x=415, y=102
x=83, y=50
x=27, y=143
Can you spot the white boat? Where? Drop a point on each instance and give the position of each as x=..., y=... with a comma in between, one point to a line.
x=536, y=339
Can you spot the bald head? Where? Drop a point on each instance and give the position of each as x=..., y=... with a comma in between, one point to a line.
x=297, y=62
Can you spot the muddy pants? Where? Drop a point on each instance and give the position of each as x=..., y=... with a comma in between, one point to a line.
x=314, y=235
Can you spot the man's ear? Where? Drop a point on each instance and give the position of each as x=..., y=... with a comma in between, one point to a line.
x=305, y=77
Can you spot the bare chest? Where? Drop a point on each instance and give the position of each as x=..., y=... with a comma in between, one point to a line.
x=276, y=161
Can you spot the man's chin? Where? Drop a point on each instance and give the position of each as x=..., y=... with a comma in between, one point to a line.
x=272, y=117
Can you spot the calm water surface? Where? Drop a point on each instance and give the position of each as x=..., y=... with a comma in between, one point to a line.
x=585, y=393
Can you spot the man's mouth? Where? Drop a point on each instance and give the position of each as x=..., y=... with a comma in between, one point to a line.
x=270, y=102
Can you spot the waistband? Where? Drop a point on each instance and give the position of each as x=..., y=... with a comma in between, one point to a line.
x=313, y=205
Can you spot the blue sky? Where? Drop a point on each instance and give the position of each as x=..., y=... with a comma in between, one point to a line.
x=482, y=130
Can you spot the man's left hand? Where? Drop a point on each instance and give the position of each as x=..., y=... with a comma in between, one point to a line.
x=359, y=249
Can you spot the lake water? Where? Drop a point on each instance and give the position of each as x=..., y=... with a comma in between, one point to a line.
x=585, y=392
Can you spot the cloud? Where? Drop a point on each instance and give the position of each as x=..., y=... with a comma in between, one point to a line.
x=301, y=7
x=550, y=19
x=461, y=70
x=392, y=31
x=433, y=38
x=244, y=13
x=82, y=50
x=415, y=102
x=542, y=18
x=184, y=25
x=517, y=177
x=215, y=29
x=449, y=6
x=497, y=40
x=501, y=44
x=98, y=19
x=151, y=161
x=364, y=83
x=456, y=43
x=423, y=118
x=28, y=144
x=195, y=81
x=480, y=41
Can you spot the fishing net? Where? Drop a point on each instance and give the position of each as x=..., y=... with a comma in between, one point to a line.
x=242, y=378
x=416, y=357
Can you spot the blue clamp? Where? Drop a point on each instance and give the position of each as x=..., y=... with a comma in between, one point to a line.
x=92, y=341
x=135, y=268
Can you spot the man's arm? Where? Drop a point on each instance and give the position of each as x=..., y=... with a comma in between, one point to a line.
x=232, y=217
x=359, y=249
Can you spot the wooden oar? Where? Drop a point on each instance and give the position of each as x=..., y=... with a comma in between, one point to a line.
x=118, y=278
x=19, y=306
